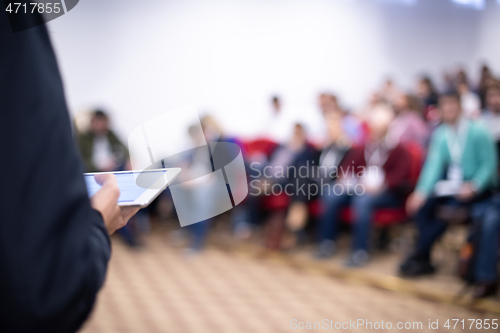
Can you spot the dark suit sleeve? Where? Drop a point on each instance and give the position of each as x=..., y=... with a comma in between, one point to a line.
x=54, y=248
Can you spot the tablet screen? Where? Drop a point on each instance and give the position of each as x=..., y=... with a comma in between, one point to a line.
x=129, y=191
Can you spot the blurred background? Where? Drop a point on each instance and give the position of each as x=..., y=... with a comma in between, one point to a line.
x=294, y=84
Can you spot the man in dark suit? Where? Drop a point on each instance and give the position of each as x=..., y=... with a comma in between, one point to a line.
x=54, y=243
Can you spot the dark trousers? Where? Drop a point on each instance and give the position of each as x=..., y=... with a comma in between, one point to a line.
x=363, y=207
x=199, y=233
x=485, y=214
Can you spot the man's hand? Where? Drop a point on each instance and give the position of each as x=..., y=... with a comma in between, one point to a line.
x=467, y=192
x=106, y=202
x=415, y=201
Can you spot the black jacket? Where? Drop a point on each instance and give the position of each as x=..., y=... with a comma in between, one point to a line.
x=54, y=248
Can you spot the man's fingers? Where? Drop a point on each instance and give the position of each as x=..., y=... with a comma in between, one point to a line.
x=116, y=220
x=109, y=188
x=104, y=178
x=122, y=215
x=105, y=200
x=128, y=212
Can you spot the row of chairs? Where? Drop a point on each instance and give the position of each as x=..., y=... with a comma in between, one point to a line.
x=279, y=203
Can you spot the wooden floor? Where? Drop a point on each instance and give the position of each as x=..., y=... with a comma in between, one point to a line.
x=162, y=289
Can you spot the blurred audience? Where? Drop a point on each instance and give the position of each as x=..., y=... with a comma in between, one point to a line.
x=204, y=194
x=375, y=169
x=304, y=157
x=382, y=168
x=463, y=153
x=280, y=176
x=376, y=165
x=337, y=144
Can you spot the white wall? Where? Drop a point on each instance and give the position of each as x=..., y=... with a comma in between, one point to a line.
x=140, y=59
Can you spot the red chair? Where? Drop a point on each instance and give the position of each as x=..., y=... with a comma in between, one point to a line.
x=383, y=217
x=260, y=146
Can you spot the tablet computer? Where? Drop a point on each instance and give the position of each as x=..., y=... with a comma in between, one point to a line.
x=137, y=188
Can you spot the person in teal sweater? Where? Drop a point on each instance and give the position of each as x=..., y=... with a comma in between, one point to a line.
x=461, y=170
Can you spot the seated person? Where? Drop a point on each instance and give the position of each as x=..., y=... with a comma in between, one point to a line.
x=282, y=175
x=337, y=145
x=409, y=125
x=465, y=151
x=352, y=126
x=100, y=147
x=102, y=151
x=196, y=163
x=379, y=173
x=491, y=114
x=426, y=91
